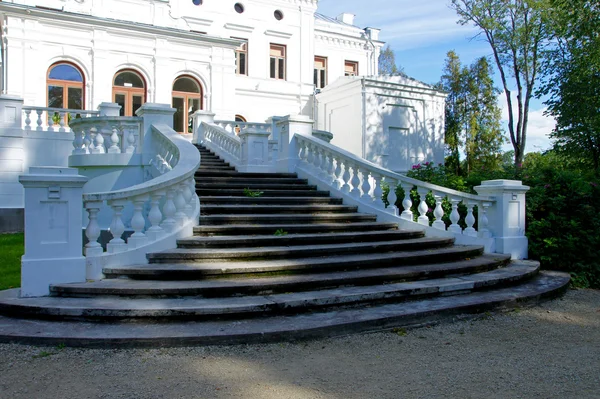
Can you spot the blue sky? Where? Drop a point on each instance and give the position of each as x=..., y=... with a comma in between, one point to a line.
x=421, y=33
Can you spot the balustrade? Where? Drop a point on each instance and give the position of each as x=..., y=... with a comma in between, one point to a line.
x=363, y=181
x=106, y=135
x=44, y=119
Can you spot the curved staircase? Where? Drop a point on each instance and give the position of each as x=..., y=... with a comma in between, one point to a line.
x=274, y=258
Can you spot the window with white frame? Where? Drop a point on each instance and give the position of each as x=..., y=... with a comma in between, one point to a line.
x=351, y=68
x=320, y=76
x=277, y=61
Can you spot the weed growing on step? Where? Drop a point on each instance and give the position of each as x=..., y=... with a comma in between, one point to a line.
x=281, y=233
x=252, y=193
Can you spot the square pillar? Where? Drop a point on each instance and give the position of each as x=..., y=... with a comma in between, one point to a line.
x=507, y=216
x=288, y=151
x=199, y=117
x=11, y=111
x=53, y=229
x=255, y=151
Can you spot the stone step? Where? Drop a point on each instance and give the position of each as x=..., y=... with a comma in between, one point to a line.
x=274, y=208
x=265, y=193
x=279, y=284
x=286, y=218
x=221, y=167
x=271, y=180
x=111, y=308
x=186, y=271
x=296, y=239
x=216, y=162
x=260, y=186
x=185, y=255
x=205, y=200
x=216, y=173
x=311, y=325
x=245, y=229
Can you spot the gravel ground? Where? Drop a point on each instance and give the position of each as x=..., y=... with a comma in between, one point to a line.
x=552, y=351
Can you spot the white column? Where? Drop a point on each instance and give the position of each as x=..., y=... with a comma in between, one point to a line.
x=53, y=229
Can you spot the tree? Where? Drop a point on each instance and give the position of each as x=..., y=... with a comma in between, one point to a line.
x=472, y=115
x=387, y=63
x=515, y=31
x=572, y=79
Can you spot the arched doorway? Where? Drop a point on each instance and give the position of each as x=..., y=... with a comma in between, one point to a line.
x=187, y=99
x=65, y=86
x=129, y=91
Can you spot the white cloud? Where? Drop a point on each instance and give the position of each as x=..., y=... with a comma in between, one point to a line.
x=539, y=126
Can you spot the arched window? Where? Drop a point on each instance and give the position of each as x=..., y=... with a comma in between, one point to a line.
x=129, y=91
x=187, y=99
x=65, y=83
x=240, y=118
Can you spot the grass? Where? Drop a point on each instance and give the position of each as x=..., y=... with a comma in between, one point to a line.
x=12, y=247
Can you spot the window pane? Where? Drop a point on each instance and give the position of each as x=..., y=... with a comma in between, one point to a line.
x=316, y=78
x=193, y=106
x=186, y=85
x=273, y=75
x=281, y=69
x=120, y=99
x=55, y=96
x=129, y=79
x=65, y=72
x=75, y=98
x=179, y=114
x=137, y=102
x=242, y=64
x=322, y=78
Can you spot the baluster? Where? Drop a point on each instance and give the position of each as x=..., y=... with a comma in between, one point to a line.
x=470, y=220
x=423, y=207
x=169, y=210
x=92, y=231
x=92, y=136
x=310, y=156
x=438, y=213
x=99, y=143
x=78, y=143
x=455, y=217
x=180, y=215
x=27, y=119
x=192, y=187
x=117, y=228
x=484, y=231
x=355, y=181
x=346, y=178
x=130, y=140
x=39, y=120
x=86, y=141
x=392, y=197
x=330, y=178
x=155, y=217
x=366, y=187
x=188, y=209
x=138, y=238
x=407, y=202
x=61, y=121
x=114, y=142
x=302, y=155
x=337, y=174
x=317, y=161
x=323, y=176
x=378, y=191
x=50, y=117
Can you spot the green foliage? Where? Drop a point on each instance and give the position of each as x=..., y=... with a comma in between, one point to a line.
x=472, y=115
x=572, y=78
x=280, y=233
x=387, y=63
x=252, y=193
x=515, y=31
x=10, y=260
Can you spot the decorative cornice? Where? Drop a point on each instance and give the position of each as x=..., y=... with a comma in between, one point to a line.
x=241, y=28
x=284, y=35
x=341, y=41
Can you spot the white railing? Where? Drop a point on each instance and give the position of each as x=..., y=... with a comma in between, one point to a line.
x=44, y=119
x=233, y=127
x=228, y=145
x=364, y=182
x=177, y=161
x=106, y=135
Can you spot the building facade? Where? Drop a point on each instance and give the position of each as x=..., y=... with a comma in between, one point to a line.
x=244, y=60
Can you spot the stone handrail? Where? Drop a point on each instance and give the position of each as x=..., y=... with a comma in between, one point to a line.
x=48, y=123
x=175, y=188
x=236, y=128
x=106, y=135
x=228, y=145
x=363, y=180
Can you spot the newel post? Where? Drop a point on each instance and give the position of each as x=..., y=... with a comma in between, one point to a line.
x=199, y=117
x=255, y=151
x=109, y=109
x=153, y=114
x=11, y=111
x=288, y=151
x=506, y=218
x=53, y=229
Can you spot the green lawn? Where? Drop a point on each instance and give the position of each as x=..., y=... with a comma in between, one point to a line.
x=11, y=250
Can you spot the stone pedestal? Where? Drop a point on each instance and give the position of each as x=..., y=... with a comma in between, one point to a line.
x=11, y=111
x=255, y=151
x=109, y=109
x=199, y=117
x=507, y=216
x=53, y=229
x=288, y=151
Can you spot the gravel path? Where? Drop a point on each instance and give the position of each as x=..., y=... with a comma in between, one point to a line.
x=552, y=351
